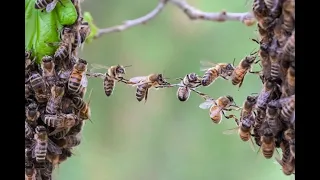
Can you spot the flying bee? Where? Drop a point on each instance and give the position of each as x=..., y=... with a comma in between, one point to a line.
x=28, y=131
x=83, y=107
x=217, y=107
x=213, y=71
x=188, y=83
x=49, y=73
x=54, y=102
x=263, y=97
x=78, y=77
x=113, y=74
x=244, y=129
x=272, y=118
x=144, y=83
x=248, y=106
x=38, y=85
x=32, y=113
x=60, y=121
x=259, y=119
x=49, y=5
x=289, y=135
x=287, y=161
x=245, y=65
x=41, y=144
x=288, y=13
x=268, y=142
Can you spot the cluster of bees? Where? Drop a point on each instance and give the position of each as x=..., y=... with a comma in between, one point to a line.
x=56, y=111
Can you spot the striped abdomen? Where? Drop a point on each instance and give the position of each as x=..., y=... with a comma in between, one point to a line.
x=78, y=102
x=238, y=75
x=108, y=85
x=74, y=82
x=41, y=151
x=77, y=128
x=210, y=76
x=292, y=148
x=141, y=91
x=72, y=141
x=262, y=99
x=52, y=120
x=37, y=83
x=267, y=148
x=287, y=110
x=62, y=52
x=275, y=69
x=53, y=105
x=28, y=131
x=41, y=4
x=183, y=93
x=215, y=114
x=75, y=43
x=287, y=168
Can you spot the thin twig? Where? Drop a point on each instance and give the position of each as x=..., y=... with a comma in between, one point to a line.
x=193, y=13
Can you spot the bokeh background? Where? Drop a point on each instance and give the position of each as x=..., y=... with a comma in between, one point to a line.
x=165, y=139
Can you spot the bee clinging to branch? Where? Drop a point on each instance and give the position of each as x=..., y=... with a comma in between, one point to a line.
x=217, y=107
x=264, y=95
x=113, y=74
x=144, y=83
x=78, y=78
x=248, y=106
x=259, y=119
x=268, y=141
x=189, y=83
x=83, y=107
x=274, y=54
x=38, y=86
x=287, y=162
x=48, y=71
x=244, y=66
x=213, y=71
x=54, y=102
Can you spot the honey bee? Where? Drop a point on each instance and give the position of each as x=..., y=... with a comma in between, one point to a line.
x=46, y=173
x=27, y=91
x=49, y=73
x=49, y=5
x=245, y=65
x=289, y=135
x=28, y=131
x=32, y=113
x=38, y=85
x=213, y=71
x=54, y=102
x=67, y=106
x=61, y=133
x=70, y=141
x=84, y=31
x=41, y=144
x=60, y=121
x=77, y=128
x=268, y=142
x=57, y=159
x=261, y=13
x=244, y=129
x=53, y=158
x=28, y=60
x=268, y=88
x=288, y=87
x=279, y=32
x=64, y=74
x=248, y=106
x=288, y=107
x=30, y=171
x=288, y=54
x=83, y=107
x=287, y=161
x=259, y=119
x=78, y=77
x=272, y=118
x=217, y=107
x=144, y=83
x=275, y=63
x=288, y=13
x=188, y=83
x=274, y=7
x=113, y=74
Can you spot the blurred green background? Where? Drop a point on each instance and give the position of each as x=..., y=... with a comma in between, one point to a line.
x=165, y=139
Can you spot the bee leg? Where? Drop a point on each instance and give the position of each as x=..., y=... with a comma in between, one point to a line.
x=233, y=117
x=146, y=96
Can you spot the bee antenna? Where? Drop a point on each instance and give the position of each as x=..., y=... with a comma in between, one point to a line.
x=127, y=66
x=89, y=97
x=255, y=40
x=234, y=59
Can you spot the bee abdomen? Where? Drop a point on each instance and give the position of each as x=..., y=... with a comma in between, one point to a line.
x=209, y=77
x=74, y=83
x=275, y=69
x=73, y=141
x=183, y=93
x=108, y=85
x=244, y=137
x=40, y=4
x=286, y=112
x=237, y=76
x=61, y=53
x=267, y=153
x=141, y=92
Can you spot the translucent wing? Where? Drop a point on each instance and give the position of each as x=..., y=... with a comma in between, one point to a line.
x=205, y=65
x=51, y=6
x=207, y=104
x=251, y=143
x=52, y=147
x=231, y=131
x=32, y=148
x=136, y=81
x=56, y=131
x=99, y=66
x=84, y=81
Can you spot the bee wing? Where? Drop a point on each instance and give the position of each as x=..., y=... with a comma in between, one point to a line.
x=84, y=81
x=33, y=146
x=231, y=131
x=205, y=65
x=51, y=6
x=138, y=80
x=99, y=66
x=207, y=104
x=55, y=131
x=52, y=147
x=251, y=143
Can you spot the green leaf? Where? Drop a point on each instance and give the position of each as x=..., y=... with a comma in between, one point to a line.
x=42, y=27
x=94, y=29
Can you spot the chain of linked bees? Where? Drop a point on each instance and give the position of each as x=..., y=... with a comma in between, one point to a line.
x=56, y=111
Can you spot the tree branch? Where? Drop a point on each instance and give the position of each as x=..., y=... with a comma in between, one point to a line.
x=193, y=13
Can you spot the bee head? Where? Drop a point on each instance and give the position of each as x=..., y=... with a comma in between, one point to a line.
x=252, y=99
x=32, y=106
x=161, y=80
x=230, y=98
x=120, y=70
x=229, y=67
x=192, y=77
x=81, y=65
